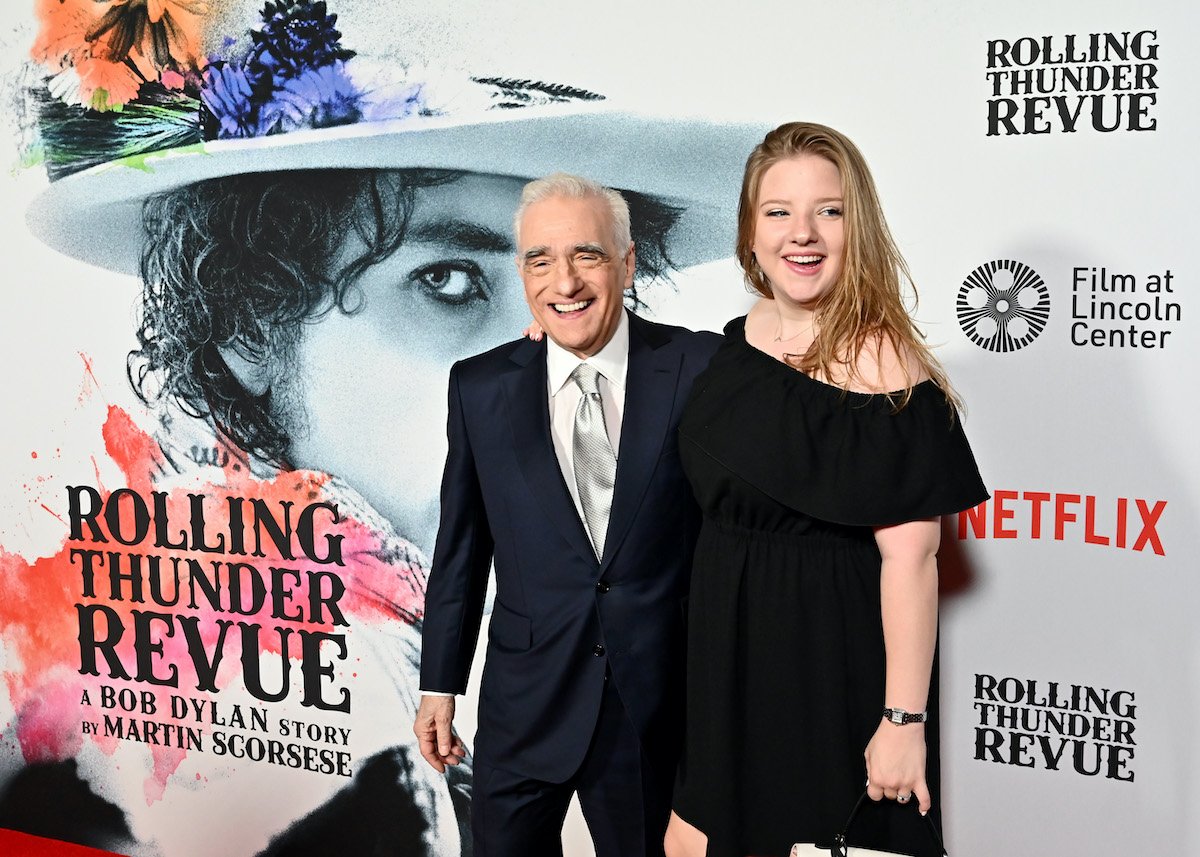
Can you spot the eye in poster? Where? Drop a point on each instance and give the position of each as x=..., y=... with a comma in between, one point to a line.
x=246, y=240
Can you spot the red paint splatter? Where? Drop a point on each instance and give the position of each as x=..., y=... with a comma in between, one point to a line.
x=40, y=614
x=134, y=451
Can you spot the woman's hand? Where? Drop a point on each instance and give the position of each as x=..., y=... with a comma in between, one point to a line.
x=896, y=764
x=534, y=332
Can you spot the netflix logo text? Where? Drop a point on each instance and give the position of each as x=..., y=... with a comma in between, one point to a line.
x=1127, y=523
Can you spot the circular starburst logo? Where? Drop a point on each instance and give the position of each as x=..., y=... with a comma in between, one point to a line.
x=1003, y=305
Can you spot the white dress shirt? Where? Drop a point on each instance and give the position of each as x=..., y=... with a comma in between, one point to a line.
x=612, y=362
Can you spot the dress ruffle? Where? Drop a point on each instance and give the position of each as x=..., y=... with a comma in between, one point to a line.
x=802, y=442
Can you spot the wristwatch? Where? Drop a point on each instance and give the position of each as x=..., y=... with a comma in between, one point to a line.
x=901, y=717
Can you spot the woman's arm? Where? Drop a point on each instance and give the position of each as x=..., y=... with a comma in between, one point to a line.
x=909, y=600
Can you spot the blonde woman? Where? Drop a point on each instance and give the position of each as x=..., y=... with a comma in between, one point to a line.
x=823, y=444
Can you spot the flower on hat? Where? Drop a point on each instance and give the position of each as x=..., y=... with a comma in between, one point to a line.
x=295, y=76
x=104, y=51
x=296, y=37
x=126, y=79
x=162, y=31
x=129, y=77
x=226, y=94
x=316, y=98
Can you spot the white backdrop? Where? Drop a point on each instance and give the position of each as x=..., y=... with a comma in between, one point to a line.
x=1034, y=595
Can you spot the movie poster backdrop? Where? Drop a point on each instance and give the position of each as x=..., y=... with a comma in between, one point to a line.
x=209, y=647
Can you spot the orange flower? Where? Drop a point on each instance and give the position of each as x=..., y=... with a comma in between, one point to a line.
x=106, y=85
x=62, y=45
x=62, y=37
x=167, y=32
x=116, y=45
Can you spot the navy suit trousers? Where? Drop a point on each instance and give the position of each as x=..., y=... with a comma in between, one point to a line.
x=625, y=800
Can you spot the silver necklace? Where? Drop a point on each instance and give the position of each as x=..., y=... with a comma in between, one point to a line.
x=779, y=337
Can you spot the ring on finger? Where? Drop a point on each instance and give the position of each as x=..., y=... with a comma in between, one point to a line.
x=903, y=798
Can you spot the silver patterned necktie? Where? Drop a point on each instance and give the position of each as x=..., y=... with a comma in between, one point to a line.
x=595, y=463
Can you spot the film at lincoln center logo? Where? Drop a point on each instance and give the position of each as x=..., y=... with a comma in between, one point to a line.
x=1003, y=305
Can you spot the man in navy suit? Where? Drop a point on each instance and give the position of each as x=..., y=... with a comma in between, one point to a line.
x=563, y=467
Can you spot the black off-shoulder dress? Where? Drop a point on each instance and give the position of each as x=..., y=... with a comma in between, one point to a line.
x=786, y=664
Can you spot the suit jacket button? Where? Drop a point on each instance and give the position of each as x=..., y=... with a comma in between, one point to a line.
x=598, y=650
x=603, y=587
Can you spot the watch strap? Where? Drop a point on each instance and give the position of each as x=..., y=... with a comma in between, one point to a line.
x=901, y=717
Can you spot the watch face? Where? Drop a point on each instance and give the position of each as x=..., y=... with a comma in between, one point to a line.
x=898, y=716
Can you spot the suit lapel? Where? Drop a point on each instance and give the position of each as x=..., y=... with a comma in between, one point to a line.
x=649, y=401
x=529, y=418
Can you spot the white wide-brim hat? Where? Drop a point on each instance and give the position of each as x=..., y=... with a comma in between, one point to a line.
x=695, y=165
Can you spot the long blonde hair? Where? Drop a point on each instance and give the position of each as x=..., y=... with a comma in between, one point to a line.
x=865, y=302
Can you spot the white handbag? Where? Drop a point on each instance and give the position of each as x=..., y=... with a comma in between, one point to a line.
x=840, y=848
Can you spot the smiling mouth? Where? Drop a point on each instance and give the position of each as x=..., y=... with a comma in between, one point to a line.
x=805, y=261
x=563, y=309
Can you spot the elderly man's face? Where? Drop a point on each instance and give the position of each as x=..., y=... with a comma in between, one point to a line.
x=367, y=396
x=575, y=276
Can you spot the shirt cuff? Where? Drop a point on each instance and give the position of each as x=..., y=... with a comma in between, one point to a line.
x=436, y=693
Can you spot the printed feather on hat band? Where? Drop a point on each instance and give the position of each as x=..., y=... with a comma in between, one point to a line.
x=524, y=93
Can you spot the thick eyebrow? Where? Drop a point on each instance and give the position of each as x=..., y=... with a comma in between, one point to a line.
x=463, y=235
x=542, y=250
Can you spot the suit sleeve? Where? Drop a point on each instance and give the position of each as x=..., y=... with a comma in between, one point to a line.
x=462, y=559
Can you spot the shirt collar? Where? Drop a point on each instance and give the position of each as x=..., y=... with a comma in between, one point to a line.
x=611, y=361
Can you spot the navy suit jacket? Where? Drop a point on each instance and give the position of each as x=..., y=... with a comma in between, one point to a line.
x=560, y=615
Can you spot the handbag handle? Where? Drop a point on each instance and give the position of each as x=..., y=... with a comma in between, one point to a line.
x=839, y=843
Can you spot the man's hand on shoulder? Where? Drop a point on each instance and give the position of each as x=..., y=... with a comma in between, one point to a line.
x=434, y=728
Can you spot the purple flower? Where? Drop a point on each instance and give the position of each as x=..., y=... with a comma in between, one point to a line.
x=227, y=95
x=296, y=36
x=316, y=98
x=393, y=102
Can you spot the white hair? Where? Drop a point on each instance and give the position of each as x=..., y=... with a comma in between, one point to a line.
x=576, y=187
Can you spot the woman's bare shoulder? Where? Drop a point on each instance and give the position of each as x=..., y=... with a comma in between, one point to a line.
x=881, y=367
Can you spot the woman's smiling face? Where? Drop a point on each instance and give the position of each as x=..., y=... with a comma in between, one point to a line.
x=365, y=399
x=799, y=233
